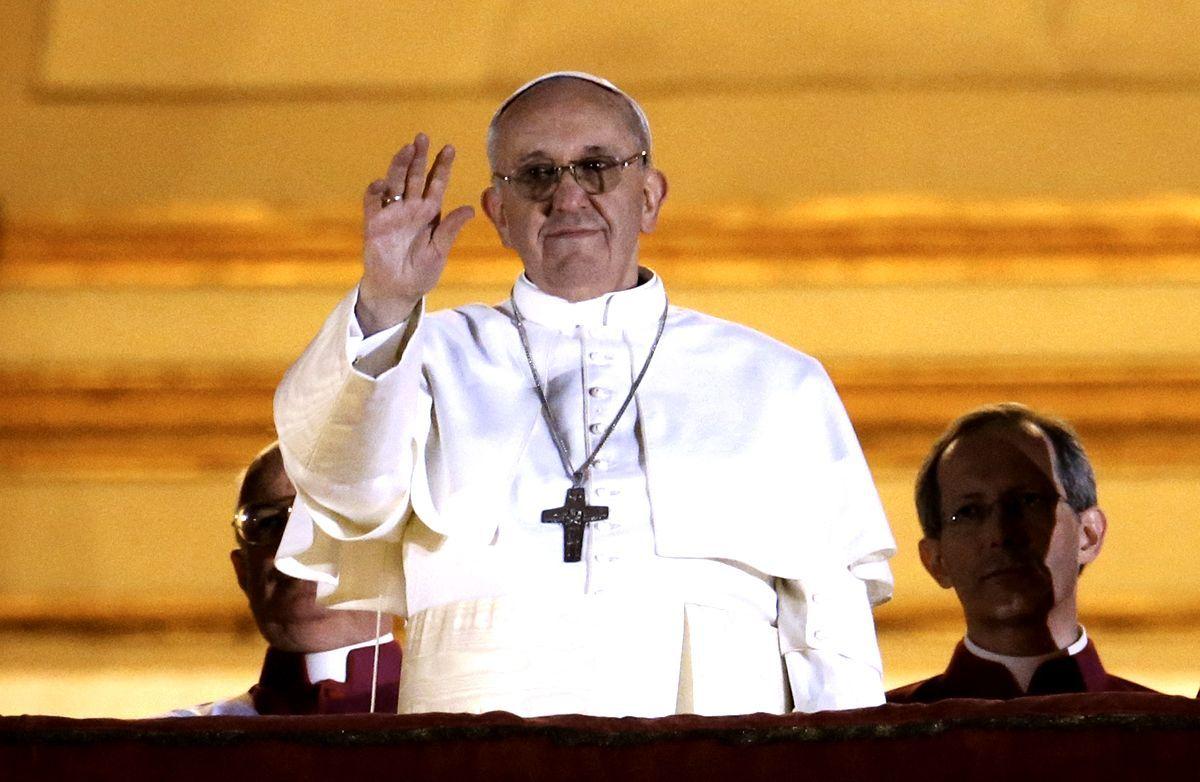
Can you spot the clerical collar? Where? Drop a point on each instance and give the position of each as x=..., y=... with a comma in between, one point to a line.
x=1024, y=667
x=636, y=307
x=331, y=665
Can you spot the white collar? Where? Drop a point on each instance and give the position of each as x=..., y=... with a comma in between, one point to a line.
x=1024, y=667
x=635, y=308
x=331, y=665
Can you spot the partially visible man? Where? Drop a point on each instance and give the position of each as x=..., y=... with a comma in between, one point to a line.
x=319, y=661
x=1007, y=504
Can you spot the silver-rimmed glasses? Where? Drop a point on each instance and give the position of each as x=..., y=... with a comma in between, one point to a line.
x=261, y=523
x=597, y=174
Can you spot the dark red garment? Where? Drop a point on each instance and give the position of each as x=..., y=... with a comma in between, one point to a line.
x=969, y=676
x=283, y=686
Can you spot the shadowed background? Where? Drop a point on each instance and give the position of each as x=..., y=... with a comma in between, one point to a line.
x=948, y=203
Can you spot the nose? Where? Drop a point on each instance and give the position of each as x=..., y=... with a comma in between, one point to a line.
x=1009, y=527
x=569, y=196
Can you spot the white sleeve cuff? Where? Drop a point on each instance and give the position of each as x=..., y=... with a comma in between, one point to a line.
x=828, y=612
x=376, y=354
x=823, y=680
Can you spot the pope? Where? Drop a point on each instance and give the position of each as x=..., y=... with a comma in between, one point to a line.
x=584, y=499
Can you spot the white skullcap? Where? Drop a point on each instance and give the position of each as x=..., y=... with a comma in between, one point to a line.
x=598, y=81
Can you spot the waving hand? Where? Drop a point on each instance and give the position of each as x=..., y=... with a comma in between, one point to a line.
x=405, y=236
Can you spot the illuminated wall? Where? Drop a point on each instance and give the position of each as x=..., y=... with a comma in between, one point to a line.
x=947, y=202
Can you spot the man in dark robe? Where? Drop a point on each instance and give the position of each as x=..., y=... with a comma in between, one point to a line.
x=1007, y=503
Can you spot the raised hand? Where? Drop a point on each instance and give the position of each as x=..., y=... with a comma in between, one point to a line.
x=405, y=236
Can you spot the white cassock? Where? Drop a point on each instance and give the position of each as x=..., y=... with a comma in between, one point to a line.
x=744, y=546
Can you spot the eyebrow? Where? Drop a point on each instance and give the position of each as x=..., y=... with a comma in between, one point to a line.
x=538, y=154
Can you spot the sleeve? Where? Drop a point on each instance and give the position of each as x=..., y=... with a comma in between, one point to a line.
x=237, y=706
x=351, y=415
x=826, y=626
x=376, y=354
x=827, y=637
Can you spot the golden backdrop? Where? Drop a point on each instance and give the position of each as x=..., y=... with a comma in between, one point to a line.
x=948, y=203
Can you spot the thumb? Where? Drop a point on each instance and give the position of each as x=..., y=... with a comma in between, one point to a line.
x=448, y=228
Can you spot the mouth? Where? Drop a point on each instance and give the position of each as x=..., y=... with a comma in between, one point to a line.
x=570, y=233
x=1004, y=571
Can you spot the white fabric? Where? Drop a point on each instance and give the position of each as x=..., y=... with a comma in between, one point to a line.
x=1023, y=667
x=609, y=655
x=734, y=482
x=329, y=665
x=237, y=706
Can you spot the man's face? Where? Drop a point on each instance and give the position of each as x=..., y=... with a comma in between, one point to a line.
x=574, y=245
x=1011, y=547
x=285, y=608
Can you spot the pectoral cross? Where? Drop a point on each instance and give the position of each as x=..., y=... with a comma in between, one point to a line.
x=574, y=515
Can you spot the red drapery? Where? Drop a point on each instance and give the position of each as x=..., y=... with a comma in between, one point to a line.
x=1111, y=736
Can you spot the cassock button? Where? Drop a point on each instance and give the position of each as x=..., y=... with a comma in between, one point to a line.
x=595, y=428
x=599, y=393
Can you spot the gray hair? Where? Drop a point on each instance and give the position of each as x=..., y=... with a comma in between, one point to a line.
x=638, y=122
x=1070, y=460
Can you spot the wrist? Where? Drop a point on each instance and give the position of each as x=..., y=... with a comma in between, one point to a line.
x=375, y=315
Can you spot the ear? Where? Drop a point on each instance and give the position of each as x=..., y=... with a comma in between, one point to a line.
x=238, y=558
x=654, y=191
x=930, y=550
x=1093, y=525
x=493, y=207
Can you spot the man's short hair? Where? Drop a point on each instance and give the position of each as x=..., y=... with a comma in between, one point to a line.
x=1070, y=460
x=635, y=118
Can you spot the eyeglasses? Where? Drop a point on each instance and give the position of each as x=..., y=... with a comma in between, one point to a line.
x=1022, y=504
x=261, y=523
x=596, y=175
